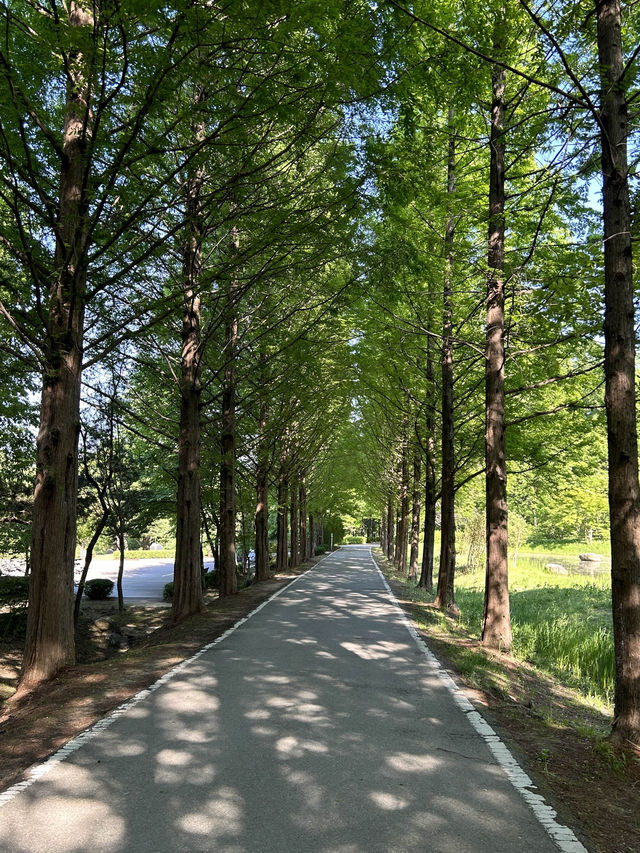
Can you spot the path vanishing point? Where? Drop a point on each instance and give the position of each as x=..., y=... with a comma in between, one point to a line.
x=319, y=724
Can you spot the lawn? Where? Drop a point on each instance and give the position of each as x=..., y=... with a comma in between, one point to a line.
x=561, y=623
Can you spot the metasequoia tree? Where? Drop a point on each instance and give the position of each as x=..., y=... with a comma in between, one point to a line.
x=50, y=642
x=187, y=585
x=76, y=244
x=445, y=591
x=496, y=625
x=620, y=376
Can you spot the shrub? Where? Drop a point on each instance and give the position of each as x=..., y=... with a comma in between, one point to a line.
x=320, y=549
x=98, y=589
x=14, y=591
x=211, y=580
x=167, y=592
x=354, y=540
x=139, y=554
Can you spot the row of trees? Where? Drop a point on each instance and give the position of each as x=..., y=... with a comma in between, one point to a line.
x=169, y=252
x=496, y=294
x=340, y=259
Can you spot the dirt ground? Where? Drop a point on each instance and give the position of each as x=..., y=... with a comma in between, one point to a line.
x=559, y=740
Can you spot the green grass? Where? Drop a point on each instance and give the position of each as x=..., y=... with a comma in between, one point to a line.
x=567, y=549
x=144, y=555
x=560, y=623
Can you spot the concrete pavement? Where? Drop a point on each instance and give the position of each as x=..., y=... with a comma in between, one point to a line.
x=319, y=725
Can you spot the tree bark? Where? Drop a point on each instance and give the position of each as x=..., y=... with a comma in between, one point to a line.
x=445, y=596
x=496, y=623
x=228, y=579
x=187, y=577
x=404, y=507
x=282, y=546
x=262, y=501
x=619, y=365
x=426, y=575
x=304, y=548
x=415, y=516
x=122, y=548
x=390, y=527
x=294, y=558
x=97, y=533
x=312, y=536
x=49, y=643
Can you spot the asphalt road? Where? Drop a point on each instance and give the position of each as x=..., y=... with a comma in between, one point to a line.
x=317, y=726
x=141, y=578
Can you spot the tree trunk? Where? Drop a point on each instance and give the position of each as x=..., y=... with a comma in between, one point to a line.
x=415, y=516
x=397, y=548
x=304, y=548
x=312, y=536
x=426, y=575
x=228, y=580
x=383, y=530
x=496, y=622
x=97, y=533
x=262, y=525
x=619, y=364
x=187, y=577
x=122, y=548
x=404, y=507
x=282, y=546
x=49, y=643
x=445, y=596
x=390, y=527
x=294, y=559
x=211, y=541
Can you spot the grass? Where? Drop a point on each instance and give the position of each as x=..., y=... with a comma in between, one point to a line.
x=568, y=549
x=561, y=624
x=141, y=554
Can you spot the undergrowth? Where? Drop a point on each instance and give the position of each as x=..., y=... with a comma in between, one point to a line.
x=561, y=623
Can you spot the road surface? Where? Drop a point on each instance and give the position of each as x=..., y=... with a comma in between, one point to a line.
x=318, y=726
x=141, y=578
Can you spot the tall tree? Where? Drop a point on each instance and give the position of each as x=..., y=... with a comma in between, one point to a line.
x=187, y=589
x=50, y=640
x=619, y=365
x=496, y=624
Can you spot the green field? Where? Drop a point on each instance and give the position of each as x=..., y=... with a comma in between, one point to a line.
x=561, y=623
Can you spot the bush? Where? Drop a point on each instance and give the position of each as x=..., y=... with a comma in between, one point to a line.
x=167, y=592
x=14, y=591
x=320, y=549
x=98, y=589
x=145, y=555
x=354, y=540
x=211, y=580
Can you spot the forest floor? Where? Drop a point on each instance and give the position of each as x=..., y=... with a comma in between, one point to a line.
x=555, y=734
x=557, y=737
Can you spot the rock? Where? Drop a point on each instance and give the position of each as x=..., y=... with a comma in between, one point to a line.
x=117, y=641
x=591, y=558
x=453, y=611
x=557, y=569
x=155, y=546
x=102, y=624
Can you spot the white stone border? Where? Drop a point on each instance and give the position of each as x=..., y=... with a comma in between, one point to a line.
x=39, y=770
x=561, y=835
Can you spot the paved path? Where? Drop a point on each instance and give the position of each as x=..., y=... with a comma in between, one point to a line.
x=318, y=726
x=141, y=578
